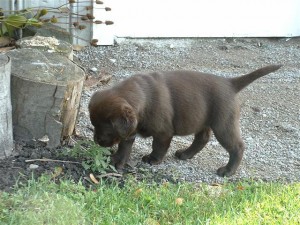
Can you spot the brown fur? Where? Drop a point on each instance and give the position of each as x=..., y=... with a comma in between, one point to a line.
x=162, y=105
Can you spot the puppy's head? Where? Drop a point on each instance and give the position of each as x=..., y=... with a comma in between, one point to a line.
x=112, y=117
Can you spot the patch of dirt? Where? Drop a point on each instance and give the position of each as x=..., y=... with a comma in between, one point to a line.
x=270, y=110
x=26, y=164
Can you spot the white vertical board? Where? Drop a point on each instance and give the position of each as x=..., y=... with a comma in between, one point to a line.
x=6, y=128
x=84, y=36
x=206, y=18
x=103, y=33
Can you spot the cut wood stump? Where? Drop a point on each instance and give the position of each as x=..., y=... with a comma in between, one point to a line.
x=46, y=90
x=6, y=133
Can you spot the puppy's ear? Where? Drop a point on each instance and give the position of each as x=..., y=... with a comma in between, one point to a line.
x=126, y=122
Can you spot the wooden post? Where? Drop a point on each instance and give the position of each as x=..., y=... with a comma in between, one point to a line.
x=6, y=134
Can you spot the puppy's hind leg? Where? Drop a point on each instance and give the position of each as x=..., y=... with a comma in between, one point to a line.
x=160, y=147
x=230, y=138
x=198, y=144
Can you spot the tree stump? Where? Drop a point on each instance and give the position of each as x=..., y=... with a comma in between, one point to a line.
x=6, y=134
x=46, y=90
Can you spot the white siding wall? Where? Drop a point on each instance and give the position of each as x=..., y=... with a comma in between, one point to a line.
x=188, y=18
x=206, y=18
x=105, y=34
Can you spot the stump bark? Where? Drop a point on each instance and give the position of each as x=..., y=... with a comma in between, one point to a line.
x=6, y=134
x=46, y=92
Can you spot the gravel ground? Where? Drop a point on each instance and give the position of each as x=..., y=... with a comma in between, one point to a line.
x=270, y=108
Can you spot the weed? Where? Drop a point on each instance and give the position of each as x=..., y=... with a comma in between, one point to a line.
x=95, y=157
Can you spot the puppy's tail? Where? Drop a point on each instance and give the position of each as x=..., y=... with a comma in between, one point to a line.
x=241, y=82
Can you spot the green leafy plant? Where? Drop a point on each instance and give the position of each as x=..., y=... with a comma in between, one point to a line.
x=16, y=20
x=19, y=20
x=95, y=157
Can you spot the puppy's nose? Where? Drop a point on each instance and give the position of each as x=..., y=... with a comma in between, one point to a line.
x=102, y=142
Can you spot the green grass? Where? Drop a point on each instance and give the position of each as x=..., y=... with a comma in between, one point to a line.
x=44, y=202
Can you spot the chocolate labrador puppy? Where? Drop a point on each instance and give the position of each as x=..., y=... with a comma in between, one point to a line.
x=162, y=105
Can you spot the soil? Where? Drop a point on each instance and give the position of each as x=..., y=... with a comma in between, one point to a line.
x=270, y=110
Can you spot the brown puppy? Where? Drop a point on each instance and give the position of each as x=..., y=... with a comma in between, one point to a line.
x=162, y=105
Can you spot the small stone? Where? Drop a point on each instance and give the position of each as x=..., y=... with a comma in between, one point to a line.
x=94, y=69
x=223, y=47
x=214, y=143
x=256, y=109
x=105, y=79
x=44, y=139
x=113, y=60
x=33, y=166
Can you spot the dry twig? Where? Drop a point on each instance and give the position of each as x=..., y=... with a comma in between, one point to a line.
x=51, y=160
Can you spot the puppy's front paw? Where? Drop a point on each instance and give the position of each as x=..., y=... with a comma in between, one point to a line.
x=117, y=161
x=225, y=172
x=151, y=159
